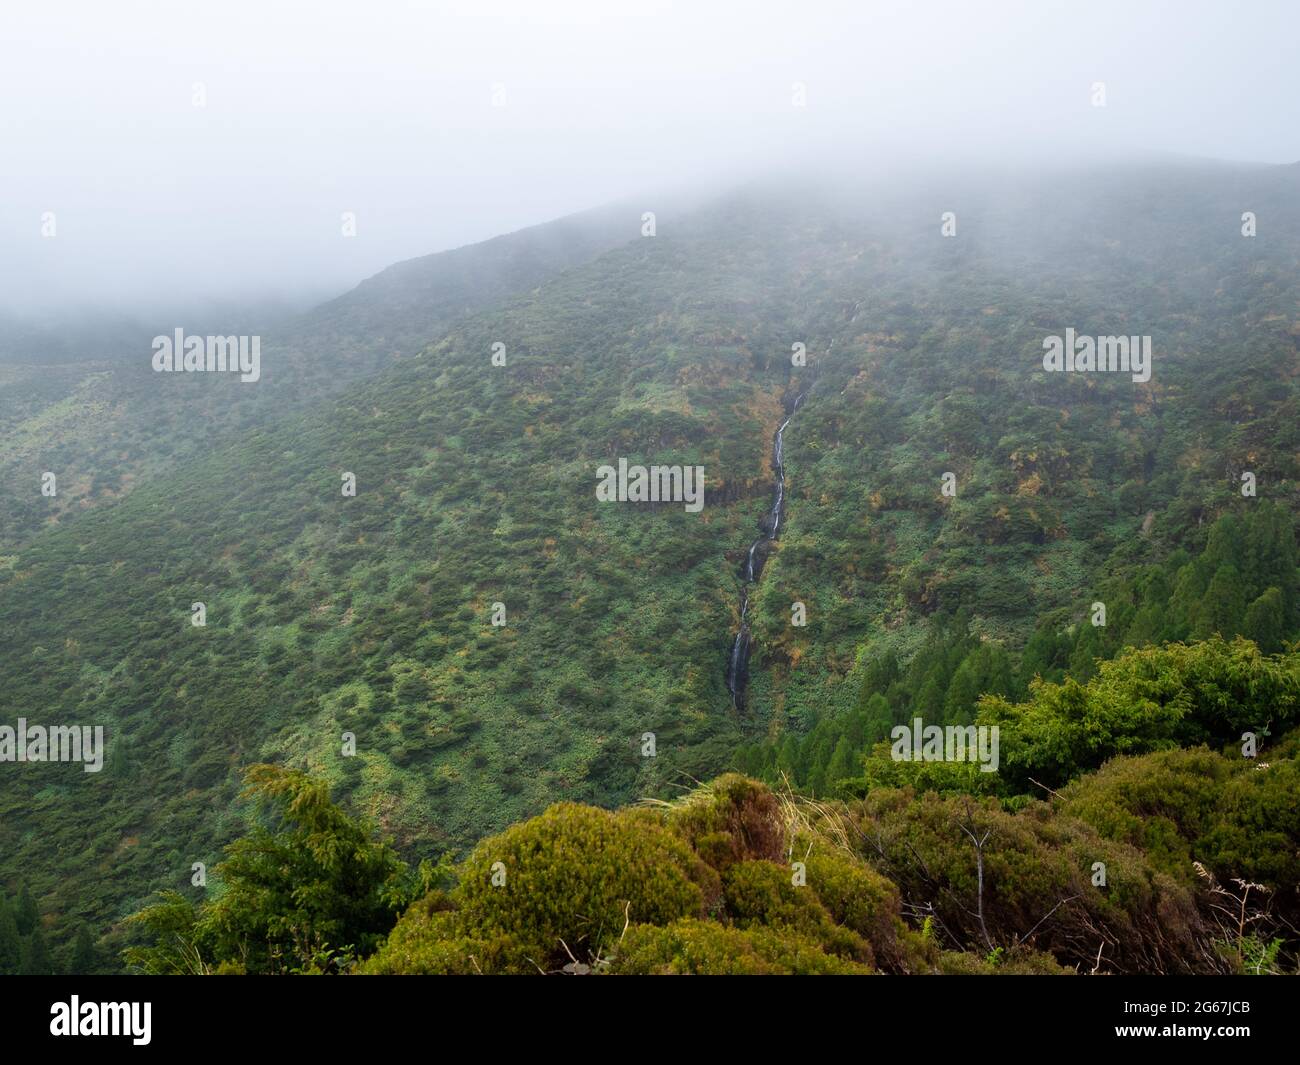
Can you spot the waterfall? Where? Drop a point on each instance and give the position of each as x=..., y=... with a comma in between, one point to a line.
x=770, y=528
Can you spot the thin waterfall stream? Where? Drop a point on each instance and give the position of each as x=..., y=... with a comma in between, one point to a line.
x=756, y=556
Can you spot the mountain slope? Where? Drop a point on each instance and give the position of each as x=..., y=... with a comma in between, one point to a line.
x=476, y=485
x=87, y=405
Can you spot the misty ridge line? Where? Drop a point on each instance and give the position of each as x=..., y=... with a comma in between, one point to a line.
x=563, y=134
x=906, y=187
x=216, y=352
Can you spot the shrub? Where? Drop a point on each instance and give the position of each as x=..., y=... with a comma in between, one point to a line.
x=1020, y=962
x=705, y=948
x=426, y=942
x=306, y=894
x=1037, y=889
x=1153, y=699
x=1239, y=818
x=859, y=898
x=761, y=894
x=734, y=819
x=575, y=876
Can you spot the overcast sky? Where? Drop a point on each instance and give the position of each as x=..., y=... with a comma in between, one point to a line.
x=386, y=110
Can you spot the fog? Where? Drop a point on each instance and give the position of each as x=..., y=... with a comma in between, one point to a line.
x=191, y=155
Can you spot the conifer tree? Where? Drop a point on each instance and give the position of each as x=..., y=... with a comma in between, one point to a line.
x=25, y=912
x=85, y=958
x=878, y=718
x=1266, y=622
x=36, y=957
x=843, y=764
x=959, y=704
x=10, y=942
x=787, y=761
x=1222, y=610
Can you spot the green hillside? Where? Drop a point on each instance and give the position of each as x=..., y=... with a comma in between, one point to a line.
x=85, y=403
x=475, y=485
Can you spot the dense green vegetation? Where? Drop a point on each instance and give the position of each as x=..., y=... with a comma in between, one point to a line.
x=23, y=946
x=81, y=400
x=372, y=615
x=305, y=893
x=1244, y=582
x=1149, y=866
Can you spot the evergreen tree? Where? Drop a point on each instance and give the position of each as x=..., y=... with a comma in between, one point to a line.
x=995, y=672
x=85, y=958
x=25, y=912
x=311, y=886
x=1147, y=627
x=36, y=957
x=1044, y=656
x=878, y=718
x=1184, y=604
x=1271, y=545
x=855, y=728
x=1226, y=544
x=959, y=703
x=816, y=751
x=11, y=944
x=817, y=782
x=787, y=760
x=882, y=671
x=928, y=705
x=1266, y=621
x=747, y=759
x=117, y=763
x=1087, y=649
x=1222, y=609
x=843, y=764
